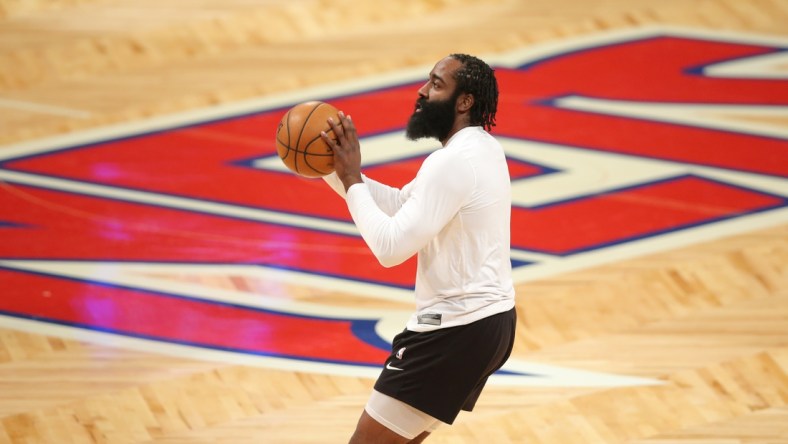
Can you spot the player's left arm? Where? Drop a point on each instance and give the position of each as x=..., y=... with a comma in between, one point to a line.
x=442, y=186
x=388, y=198
x=346, y=149
x=347, y=166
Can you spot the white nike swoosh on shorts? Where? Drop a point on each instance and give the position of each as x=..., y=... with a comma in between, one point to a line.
x=391, y=367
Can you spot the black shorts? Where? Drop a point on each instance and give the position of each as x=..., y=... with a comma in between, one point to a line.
x=443, y=371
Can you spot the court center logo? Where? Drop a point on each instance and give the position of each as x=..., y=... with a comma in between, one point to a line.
x=187, y=235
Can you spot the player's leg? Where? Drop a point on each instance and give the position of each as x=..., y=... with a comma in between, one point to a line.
x=388, y=420
x=440, y=372
x=420, y=438
x=368, y=431
x=426, y=433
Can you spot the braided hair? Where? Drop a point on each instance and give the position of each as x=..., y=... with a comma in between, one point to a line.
x=478, y=79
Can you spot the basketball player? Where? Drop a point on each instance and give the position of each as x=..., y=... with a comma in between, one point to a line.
x=455, y=215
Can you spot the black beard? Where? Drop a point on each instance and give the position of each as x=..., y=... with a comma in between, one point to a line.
x=435, y=119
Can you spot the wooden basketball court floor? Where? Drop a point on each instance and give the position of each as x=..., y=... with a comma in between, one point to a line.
x=684, y=340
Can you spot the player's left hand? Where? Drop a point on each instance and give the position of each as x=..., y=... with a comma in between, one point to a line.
x=346, y=148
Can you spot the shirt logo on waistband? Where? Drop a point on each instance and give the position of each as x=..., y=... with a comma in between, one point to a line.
x=430, y=319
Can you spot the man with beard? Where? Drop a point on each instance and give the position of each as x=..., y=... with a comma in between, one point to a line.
x=456, y=215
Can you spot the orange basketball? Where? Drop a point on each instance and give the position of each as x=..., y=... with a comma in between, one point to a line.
x=298, y=140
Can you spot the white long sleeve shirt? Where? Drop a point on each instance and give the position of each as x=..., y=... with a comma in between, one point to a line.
x=455, y=215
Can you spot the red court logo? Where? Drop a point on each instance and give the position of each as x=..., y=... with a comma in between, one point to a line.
x=615, y=146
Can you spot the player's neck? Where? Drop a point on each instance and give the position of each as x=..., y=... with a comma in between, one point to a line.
x=455, y=129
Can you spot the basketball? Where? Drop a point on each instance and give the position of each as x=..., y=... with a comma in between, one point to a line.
x=298, y=140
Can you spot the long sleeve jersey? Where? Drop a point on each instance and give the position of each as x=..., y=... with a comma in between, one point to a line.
x=455, y=214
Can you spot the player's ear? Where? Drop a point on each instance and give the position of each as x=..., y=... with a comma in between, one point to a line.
x=464, y=102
